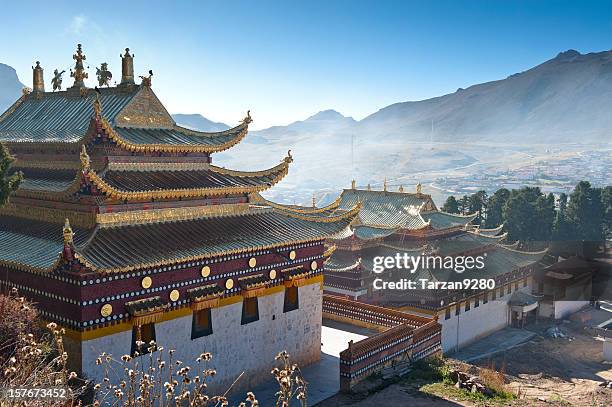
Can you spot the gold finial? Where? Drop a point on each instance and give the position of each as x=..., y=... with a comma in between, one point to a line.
x=57, y=80
x=289, y=158
x=79, y=73
x=25, y=91
x=103, y=75
x=247, y=119
x=385, y=185
x=85, y=161
x=314, y=201
x=353, y=184
x=419, y=188
x=68, y=233
x=401, y=188
x=97, y=106
x=127, y=68
x=38, y=81
x=146, y=80
x=369, y=187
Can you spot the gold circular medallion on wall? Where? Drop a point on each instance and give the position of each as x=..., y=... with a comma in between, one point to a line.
x=106, y=310
x=313, y=265
x=174, y=295
x=146, y=282
x=292, y=255
x=205, y=272
x=229, y=284
x=272, y=274
x=252, y=262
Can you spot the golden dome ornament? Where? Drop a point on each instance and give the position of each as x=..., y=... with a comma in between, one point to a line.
x=314, y=265
x=146, y=282
x=229, y=284
x=252, y=262
x=174, y=295
x=205, y=272
x=106, y=310
x=292, y=255
x=272, y=274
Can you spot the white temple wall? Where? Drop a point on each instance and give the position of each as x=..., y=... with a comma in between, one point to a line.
x=235, y=348
x=564, y=309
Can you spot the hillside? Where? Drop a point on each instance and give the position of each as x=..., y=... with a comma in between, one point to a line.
x=10, y=87
x=199, y=122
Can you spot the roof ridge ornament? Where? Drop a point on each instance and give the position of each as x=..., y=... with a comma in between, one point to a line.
x=146, y=80
x=85, y=160
x=419, y=188
x=289, y=158
x=57, y=80
x=247, y=119
x=38, y=81
x=385, y=185
x=68, y=233
x=353, y=184
x=103, y=75
x=127, y=68
x=97, y=106
x=401, y=189
x=79, y=73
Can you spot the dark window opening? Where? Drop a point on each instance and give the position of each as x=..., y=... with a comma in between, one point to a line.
x=516, y=286
x=447, y=313
x=524, y=282
x=493, y=295
x=485, y=298
x=202, y=323
x=143, y=333
x=291, y=299
x=250, y=310
x=458, y=308
x=509, y=289
x=477, y=301
x=467, y=305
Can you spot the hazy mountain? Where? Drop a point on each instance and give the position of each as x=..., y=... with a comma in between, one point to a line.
x=198, y=122
x=567, y=98
x=326, y=122
x=10, y=87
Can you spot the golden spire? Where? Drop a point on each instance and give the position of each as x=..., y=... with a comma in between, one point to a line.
x=68, y=233
x=353, y=184
x=385, y=185
x=314, y=201
x=127, y=68
x=85, y=161
x=419, y=188
x=38, y=81
x=401, y=188
x=369, y=187
x=79, y=73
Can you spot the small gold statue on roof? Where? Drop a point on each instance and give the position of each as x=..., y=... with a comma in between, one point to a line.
x=25, y=91
x=57, y=80
x=247, y=119
x=385, y=185
x=68, y=233
x=353, y=184
x=419, y=188
x=146, y=80
x=289, y=158
x=401, y=188
x=103, y=74
x=85, y=161
x=314, y=200
x=97, y=106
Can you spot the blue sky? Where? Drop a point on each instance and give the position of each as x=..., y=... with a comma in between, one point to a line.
x=286, y=60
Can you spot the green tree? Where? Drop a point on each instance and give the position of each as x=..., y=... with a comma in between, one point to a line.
x=545, y=211
x=562, y=229
x=8, y=183
x=463, y=204
x=495, y=206
x=451, y=205
x=522, y=214
x=585, y=211
x=606, y=202
x=477, y=203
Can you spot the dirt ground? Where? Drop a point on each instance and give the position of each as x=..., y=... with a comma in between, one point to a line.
x=544, y=372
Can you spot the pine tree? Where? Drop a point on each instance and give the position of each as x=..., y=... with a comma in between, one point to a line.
x=477, y=204
x=451, y=205
x=606, y=201
x=585, y=211
x=495, y=206
x=562, y=230
x=8, y=183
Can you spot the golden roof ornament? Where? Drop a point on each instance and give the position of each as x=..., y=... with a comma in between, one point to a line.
x=103, y=75
x=353, y=184
x=247, y=119
x=314, y=201
x=97, y=106
x=68, y=233
x=79, y=73
x=25, y=91
x=419, y=188
x=401, y=188
x=146, y=80
x=289, y=158
x=85, y=161
x=369, y=187
x=127, y=68
x=385, y=185
x=57, y=80
x=38, y=81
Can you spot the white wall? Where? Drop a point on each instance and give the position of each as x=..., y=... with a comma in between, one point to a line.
x=607, y=349
x=235, y=348
x=467, y=327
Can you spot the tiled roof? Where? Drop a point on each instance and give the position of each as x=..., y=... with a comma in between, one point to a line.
x=371, y=232
x=58, y=116
x=386, y=209
x=43, y=179
x=443, y=220
x=178, y=136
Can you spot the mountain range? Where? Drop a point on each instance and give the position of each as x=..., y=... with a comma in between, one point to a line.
x=565, y=99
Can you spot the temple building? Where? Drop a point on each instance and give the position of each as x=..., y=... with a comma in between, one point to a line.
x=123, y=230
x=397, y=223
